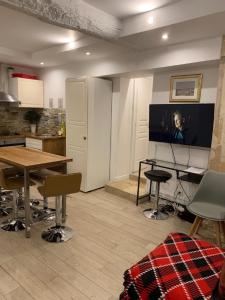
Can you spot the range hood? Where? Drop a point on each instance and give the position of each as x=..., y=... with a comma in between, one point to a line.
x=7, y=98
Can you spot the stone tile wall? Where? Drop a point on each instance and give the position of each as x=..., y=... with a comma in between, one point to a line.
x=12, y=120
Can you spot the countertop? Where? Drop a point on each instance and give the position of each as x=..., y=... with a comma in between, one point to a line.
x=9, y=137
x=38, y=137
x=44, y=137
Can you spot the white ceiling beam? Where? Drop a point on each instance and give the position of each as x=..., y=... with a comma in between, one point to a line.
x=43, y=54
x=172, y=14
x=13, y=53
x=75, y=15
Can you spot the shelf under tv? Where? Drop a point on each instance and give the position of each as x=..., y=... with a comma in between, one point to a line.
x=194, y=178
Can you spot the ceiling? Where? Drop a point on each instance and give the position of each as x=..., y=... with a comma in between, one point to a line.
x=212, y=26
x=25, y=33
x=127, y=8
x=29, y=41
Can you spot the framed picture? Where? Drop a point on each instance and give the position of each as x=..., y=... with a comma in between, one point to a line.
x=185, y=88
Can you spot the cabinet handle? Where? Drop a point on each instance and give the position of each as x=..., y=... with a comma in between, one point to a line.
x=84, y=137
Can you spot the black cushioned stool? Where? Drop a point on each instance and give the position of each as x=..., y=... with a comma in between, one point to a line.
x=157, y=176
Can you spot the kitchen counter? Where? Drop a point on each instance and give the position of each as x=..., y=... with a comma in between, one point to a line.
x=8, y=137
x=51, y=144
x=45, y=137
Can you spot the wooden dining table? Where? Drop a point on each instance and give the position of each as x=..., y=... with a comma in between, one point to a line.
x=29, y=159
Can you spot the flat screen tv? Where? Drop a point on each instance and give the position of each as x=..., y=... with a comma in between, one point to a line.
x=187, y=124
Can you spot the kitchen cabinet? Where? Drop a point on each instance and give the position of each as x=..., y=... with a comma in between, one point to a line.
x=29, y=92
x=55, y=145
x=88, y=130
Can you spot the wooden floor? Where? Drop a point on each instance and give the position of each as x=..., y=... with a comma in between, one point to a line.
x=111, y=234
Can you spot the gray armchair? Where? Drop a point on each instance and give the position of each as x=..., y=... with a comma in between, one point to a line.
x=209, y=203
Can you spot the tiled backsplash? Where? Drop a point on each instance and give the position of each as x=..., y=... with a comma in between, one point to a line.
x=12, y=119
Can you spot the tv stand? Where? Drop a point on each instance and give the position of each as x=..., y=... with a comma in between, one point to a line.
x=182, y=173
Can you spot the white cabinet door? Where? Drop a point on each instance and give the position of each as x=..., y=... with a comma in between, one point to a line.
x=76, y=127
x=34, y=143
x=28, y=91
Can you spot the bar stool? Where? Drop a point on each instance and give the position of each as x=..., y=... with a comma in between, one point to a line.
x=157, y=176
x=45, y=213
x=14, y=183
x=6, y=195
x=58, y=186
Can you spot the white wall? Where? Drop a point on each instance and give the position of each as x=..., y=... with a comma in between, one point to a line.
x=198, y=157
x=203, y=51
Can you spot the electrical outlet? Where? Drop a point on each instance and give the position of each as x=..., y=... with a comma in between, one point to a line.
x=179, y=194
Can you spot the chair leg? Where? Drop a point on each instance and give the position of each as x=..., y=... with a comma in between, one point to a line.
x=195, y=226
x=58, y=217
x=155, y=213
x=218, y=233
x=14, y=224
x=58, y=233
x=198, y=226
x=150, y=191
x=45, y=203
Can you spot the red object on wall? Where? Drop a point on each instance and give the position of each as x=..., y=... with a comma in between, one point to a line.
x=27, y=76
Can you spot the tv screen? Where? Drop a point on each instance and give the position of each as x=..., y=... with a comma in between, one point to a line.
x=187, y=124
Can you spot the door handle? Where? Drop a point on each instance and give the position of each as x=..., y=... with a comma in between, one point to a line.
x=84, y=137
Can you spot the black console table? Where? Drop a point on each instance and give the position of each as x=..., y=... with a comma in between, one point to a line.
x=181, y=173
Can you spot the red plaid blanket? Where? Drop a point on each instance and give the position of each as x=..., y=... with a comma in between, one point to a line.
x=182, y=268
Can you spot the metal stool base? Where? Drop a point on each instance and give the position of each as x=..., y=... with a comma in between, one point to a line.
x=47, y=214
x=13, y=225
x=5, y=197
x=5, y=211
x=155, y=214
x=34, y=202
x=57, y=234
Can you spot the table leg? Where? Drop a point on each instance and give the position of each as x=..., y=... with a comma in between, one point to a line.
x=139, y=178
x=63, y=209
x=27, y=202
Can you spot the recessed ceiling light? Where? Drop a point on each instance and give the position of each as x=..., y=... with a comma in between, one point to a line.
x=150, y=20
x=145, y=7
x=71, y=44
x=88, y=53
x=165, y=36
x=42, y=63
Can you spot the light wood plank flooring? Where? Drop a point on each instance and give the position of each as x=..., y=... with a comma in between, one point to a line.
x=111, y=234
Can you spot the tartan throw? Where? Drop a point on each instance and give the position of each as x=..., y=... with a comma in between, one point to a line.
x=181, y=268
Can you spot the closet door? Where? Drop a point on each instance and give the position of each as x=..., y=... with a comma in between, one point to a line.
x=99, y=132
x=76, y=127
x=142, y=99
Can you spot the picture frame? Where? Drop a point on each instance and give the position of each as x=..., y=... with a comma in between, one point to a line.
x=185, y=88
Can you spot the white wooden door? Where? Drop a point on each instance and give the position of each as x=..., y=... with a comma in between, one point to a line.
x=142, y=99
x=99, y=132
x=76, y=126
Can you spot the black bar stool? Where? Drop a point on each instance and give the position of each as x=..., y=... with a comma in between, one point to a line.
x=157, y=176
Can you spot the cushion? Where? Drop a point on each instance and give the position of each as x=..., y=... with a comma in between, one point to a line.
x=180, y=268
x=158, y=175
